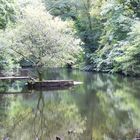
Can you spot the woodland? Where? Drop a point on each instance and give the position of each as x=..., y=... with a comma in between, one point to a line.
x=93, y=35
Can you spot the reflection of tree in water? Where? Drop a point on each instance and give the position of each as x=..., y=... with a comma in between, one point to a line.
x=39, y=121
x=111, y=107
x=37, y=124
x=50, y=118
x=3, y=114
x=12, y=86
x=105, y=107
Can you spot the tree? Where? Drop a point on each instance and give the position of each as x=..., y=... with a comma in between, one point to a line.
x=43, y=39
x=7, y=12
x=118, y=19
x=65, y=9
x=84, y=14
x=129, y=63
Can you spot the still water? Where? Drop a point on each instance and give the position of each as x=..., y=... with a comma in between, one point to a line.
x=104, y=107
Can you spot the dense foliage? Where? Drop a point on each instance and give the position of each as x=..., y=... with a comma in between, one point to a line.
x=7, y=13
x=84, y=14
x=119, y=31
x=109, y=30
x=8, y=16
x=40, y=38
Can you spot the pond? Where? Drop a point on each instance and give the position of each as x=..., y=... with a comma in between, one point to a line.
x=104, y=107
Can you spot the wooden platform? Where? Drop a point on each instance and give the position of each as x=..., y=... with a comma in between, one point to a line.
x=9, y=93
x=15, y=78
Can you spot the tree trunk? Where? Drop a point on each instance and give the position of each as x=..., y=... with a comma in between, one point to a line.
x=39, y=73
x=88, y=14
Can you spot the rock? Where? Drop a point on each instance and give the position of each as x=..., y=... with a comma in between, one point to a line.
x=58, y=138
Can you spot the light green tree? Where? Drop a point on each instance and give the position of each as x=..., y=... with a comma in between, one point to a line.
x=42, y=39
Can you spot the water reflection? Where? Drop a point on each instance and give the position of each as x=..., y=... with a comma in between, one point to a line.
x=105, y=107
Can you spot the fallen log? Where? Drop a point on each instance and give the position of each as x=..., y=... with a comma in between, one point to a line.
x=49, y=88
x=50, y=84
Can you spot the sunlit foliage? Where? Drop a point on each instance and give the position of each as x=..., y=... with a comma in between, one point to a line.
x=130, y=61
x=119, y=22
x=41, y=38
